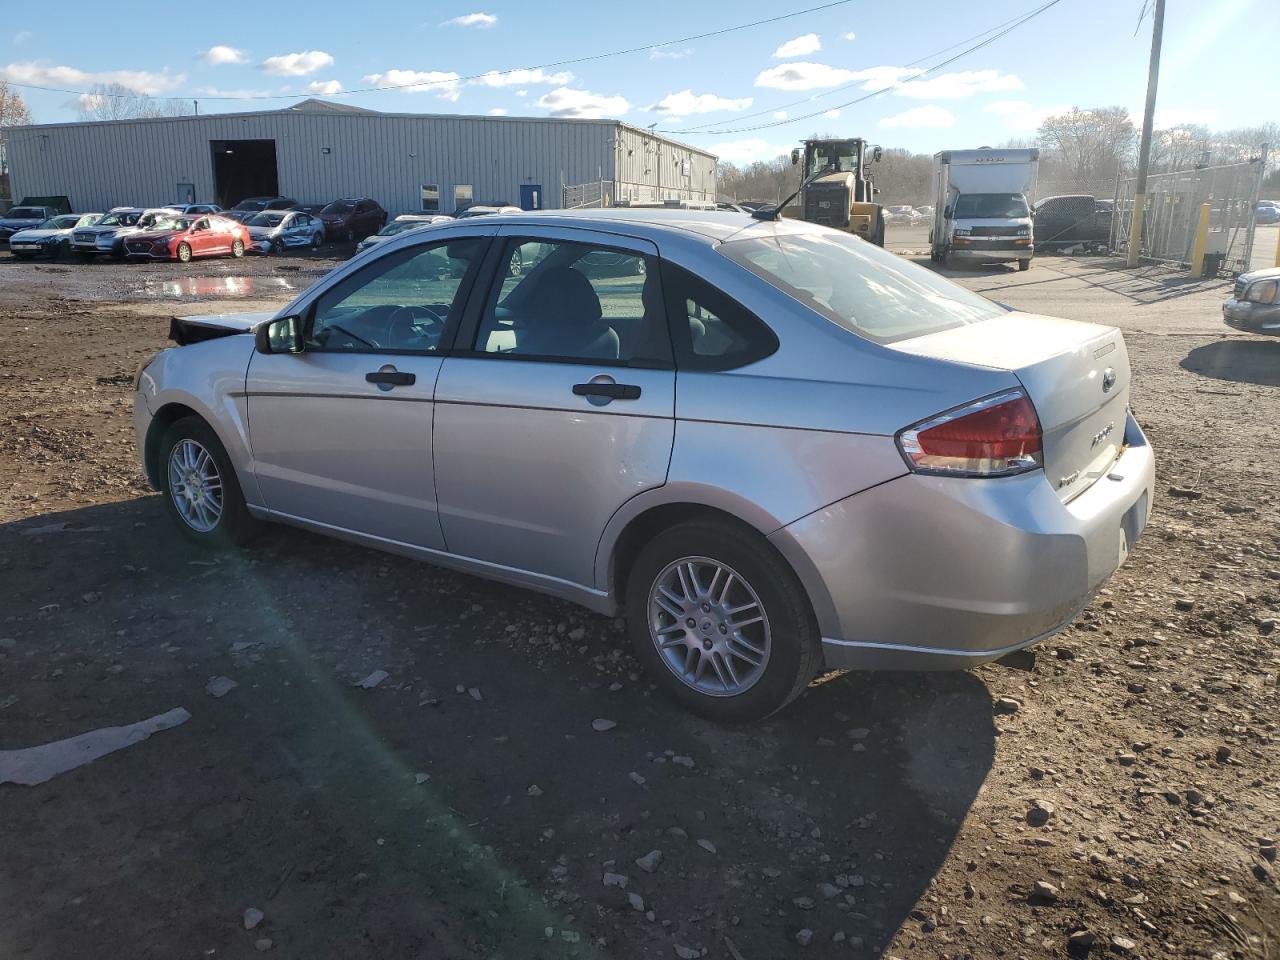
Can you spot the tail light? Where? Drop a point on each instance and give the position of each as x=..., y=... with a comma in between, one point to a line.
x=997, y=436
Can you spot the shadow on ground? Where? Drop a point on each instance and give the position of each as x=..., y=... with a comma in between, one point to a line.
x=1237, y=361
x=411, y=819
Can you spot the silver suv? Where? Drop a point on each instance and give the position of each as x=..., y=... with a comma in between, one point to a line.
x=771, y=446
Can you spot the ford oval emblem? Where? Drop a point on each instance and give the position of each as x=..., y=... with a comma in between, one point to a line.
x=1108, y=379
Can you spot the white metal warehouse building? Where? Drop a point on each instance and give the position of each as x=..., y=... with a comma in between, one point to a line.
x=318, y=151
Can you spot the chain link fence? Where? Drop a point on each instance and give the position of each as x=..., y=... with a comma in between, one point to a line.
x=1173, y=215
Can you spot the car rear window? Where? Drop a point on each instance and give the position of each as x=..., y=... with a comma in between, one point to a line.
x=26, y=213
x=859, y=286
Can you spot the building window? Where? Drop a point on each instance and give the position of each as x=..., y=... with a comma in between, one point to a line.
x=430, y=198
x=463, y=196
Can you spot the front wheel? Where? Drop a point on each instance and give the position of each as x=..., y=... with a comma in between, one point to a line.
x=237, y=248
x=878, y=236
x=184, y=252
x=721, y=621
x=1024, y=264
x=315, y=241
x=201, y=492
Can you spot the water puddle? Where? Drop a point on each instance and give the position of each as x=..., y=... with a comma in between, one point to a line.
x=213, y=288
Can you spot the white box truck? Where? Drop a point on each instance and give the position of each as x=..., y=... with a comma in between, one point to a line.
x=982, y=206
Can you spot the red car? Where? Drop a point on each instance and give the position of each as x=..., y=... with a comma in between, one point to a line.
x=183, y=237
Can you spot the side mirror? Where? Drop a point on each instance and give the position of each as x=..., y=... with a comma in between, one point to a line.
x=795, y=156
x=876, y=154
x=946, y=213
x=280, y=336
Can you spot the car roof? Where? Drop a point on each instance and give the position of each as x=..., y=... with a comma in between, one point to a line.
x=656, y=222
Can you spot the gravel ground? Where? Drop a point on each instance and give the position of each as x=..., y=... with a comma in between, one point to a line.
x=1114, y=794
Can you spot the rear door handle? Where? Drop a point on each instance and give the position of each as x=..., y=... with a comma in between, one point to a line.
x=610, y=391
x=392, y=378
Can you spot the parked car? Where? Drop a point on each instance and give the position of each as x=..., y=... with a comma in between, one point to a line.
x=193, y=207
x=272, y=231
x=257, y=204
x=1254, y=305
x=901, y=214
x=773, y=451
x=51, y=238
x=353, y=218
x=926, y=211
x=311, y=208
x=1072, y=220
x=184, y=237
x=1266, y=212
x=485, y=210
x=107, y=236
x=406, y=221
x=23, y=218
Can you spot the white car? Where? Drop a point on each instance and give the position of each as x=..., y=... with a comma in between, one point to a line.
x=901, y=214
x=406, y=221
x=52, y=238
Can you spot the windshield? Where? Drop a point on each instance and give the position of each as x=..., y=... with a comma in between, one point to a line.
x=119, y=219
x=1003, y=206
x=25, y=213
x=400, y=226
x=843, y=154
x=172, y=223
x=859, y=286
x=339, y=206
x=265, y=220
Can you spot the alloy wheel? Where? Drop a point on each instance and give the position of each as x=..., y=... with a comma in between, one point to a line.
x=195, y=486
x=709, y=626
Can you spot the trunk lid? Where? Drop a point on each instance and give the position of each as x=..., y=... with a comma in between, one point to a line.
x=1076, y=374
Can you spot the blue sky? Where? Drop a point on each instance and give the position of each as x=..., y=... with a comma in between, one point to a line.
x=1218, y=68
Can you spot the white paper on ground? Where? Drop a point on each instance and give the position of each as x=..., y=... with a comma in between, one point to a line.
x=35, y=765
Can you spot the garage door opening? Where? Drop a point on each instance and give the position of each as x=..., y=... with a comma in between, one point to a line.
x=243, y=168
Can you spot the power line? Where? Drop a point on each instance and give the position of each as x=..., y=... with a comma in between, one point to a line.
x=489, y=73
x=875, y=93
x=697, y=128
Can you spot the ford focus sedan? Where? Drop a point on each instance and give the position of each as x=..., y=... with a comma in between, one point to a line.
x=770, y=446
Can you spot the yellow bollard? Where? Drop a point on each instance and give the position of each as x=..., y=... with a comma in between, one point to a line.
x=1135, y=228
x=1202, y=241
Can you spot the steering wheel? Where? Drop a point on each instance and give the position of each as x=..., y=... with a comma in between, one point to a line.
x=405, y=324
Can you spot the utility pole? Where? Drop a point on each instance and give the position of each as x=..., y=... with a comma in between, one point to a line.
x=1144, y=145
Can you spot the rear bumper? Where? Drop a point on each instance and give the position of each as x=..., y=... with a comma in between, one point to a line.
x=939, y=573
x=1252, y=317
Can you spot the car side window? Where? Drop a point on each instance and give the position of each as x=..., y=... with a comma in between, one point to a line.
x=560, y=300
x=398, y=303
x=709, y=329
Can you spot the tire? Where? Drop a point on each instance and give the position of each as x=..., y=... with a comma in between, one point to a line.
x=184, y=252
x=233, y=524
x=877, y=237
x=315, y=241
x=237, y=248
x=785, y=648
x=516, y=267
x=1024, y=264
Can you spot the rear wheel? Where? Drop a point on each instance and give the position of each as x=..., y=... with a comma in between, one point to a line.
x=721, y=621
x=1024, y=264
x=237, y=248
x=201, y=492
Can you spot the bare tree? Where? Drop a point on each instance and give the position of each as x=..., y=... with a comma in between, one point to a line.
x=13, y=113
x=1089, y=145
x=115, y=101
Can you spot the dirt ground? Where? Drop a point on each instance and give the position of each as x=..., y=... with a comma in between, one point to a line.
x=1113, y=794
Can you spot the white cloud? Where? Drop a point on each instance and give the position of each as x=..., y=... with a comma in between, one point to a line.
x=325, y=87
x=567, y=102
x=21, y=37
x=1165, y=119
x=832, y=114
x=749, y=151
x=222, y=54
x=799, y=46
x=238, y=92
x=805, y=75
x=1023, y=116
x=513, y=78
x=780, y=114
x=497, y=111
x=297, y=64
x=443, y=85
x=482, y=21
x=666, y=53
x=930, y=116
x=957, y=86
x=688, y=102
x=139, y=81
x=851, y=36
x=522, y=93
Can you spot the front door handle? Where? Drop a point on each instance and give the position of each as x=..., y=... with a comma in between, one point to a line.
x=392, y=378
x=609, y=391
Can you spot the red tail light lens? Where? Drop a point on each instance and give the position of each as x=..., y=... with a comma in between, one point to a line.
x=993, y=437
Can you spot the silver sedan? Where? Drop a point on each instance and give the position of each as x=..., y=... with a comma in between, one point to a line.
x=772, y=447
